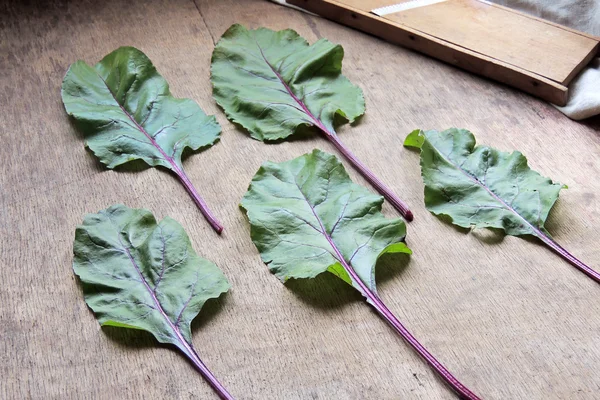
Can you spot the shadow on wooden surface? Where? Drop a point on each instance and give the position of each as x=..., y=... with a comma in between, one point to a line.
x=138, y=339
x=326, y=291
x=391, y=266
x=209, y=311
x=592, y=122
x=132, y=338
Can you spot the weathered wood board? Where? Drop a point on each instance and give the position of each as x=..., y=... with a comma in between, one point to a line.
x=507, y=317
x=528, y=53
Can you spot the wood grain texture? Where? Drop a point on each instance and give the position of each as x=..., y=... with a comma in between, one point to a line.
x=504, y=35
x=477, y=36
x=500, y=33
x=506, y=316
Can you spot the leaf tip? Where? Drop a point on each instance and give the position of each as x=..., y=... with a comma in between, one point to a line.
x=415, y=139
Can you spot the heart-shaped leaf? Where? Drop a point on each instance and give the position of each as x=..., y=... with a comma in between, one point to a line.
x=137, y=273
x=273, y=83
x=124, y=108
x=481, y=187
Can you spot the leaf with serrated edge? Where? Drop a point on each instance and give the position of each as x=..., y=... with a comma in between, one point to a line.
x=140, y=274
x=273, y=83
x=126, y=111
x=481, y=187
x=307, y=217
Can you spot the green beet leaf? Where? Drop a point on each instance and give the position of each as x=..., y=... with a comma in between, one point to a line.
x=274, y=83
x=309, y=208
x=140, y=274
x=250, y=71
x=481, y=187
x=124, y=108
x=308, y=217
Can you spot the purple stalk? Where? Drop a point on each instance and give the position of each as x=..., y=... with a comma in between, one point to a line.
x=175, y=168
x=390, y=196
x=569, y=257
x=212, y=220
x=182, y=344
x=373, y=299
x=208, y=376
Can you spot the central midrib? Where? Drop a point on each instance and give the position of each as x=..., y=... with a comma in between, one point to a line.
x=537, y=232
x=177, y=170
x=316, y=121
x=346, y=265
x=157, y=302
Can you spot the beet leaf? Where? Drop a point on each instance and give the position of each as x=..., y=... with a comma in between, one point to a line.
x=481, y=187
x=140, y=274
x=273, y=83
x=308, y=217
x=126, y=112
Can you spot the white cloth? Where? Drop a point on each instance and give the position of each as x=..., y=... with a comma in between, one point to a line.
x=583, y=15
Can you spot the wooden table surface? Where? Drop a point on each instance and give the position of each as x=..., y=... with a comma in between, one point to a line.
x=508, y=317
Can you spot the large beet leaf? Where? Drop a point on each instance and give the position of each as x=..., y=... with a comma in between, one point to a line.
x=273, y=83
x=481, y=187
x=308, y=217
x=124, y=108
x=140, y=274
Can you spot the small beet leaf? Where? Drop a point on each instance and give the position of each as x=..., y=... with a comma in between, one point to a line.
x=481, y=187
x=140, y=274
x=478, y=186
x=125, y=110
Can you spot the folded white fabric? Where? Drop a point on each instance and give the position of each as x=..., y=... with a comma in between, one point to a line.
x=583, y=15
x=584, y=93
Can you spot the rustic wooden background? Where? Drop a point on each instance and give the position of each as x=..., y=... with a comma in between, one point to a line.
x=506, y=316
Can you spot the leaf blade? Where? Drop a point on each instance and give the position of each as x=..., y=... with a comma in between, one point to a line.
x=126, y=112
x=306, y=216
x=131, y=267
x=478, y=186
x=300, y=84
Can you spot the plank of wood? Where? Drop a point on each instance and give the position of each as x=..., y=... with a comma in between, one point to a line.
x=368, y=5
x=494, y=311
x=511, y=37
x=458, y=56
